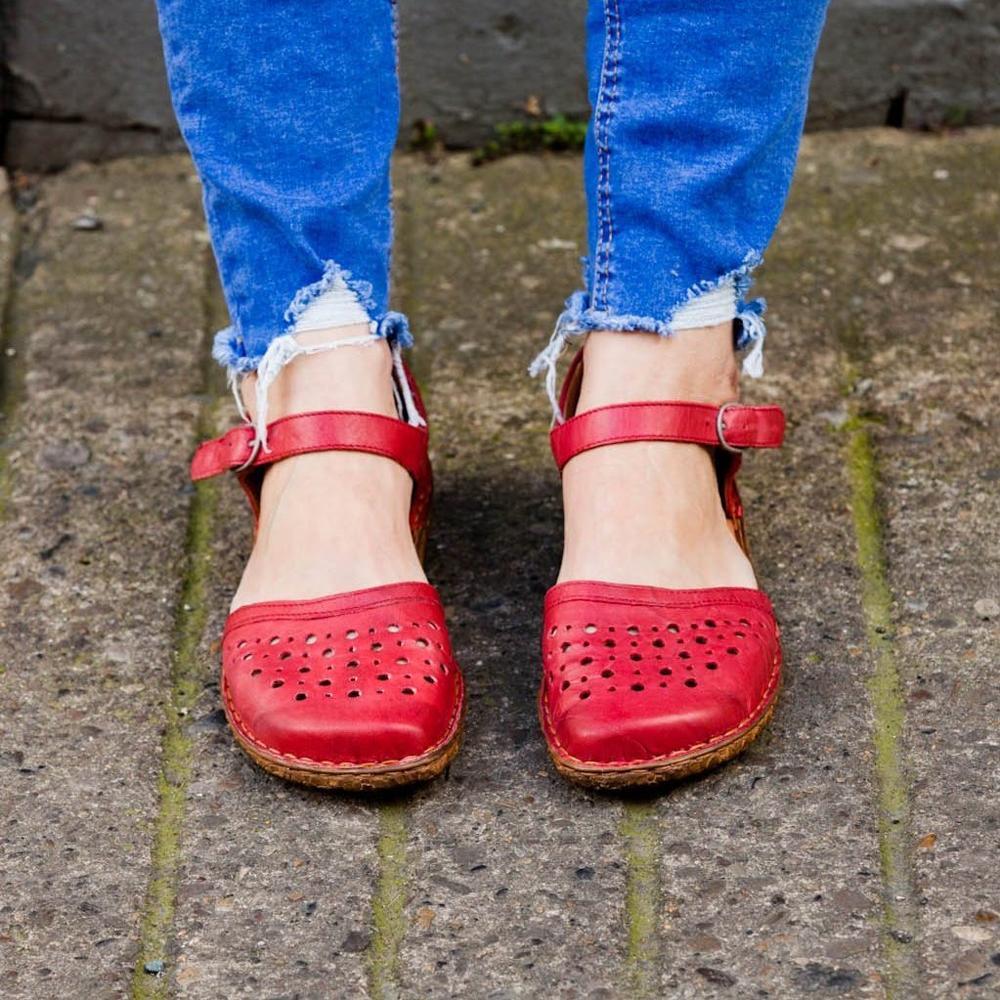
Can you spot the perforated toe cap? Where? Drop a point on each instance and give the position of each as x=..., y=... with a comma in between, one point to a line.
x=637, y=675
x=360, y=679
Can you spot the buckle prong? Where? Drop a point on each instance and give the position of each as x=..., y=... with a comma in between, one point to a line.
x=720, y=429
x=254, y=452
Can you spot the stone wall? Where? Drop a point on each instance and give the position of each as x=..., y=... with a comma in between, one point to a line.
x=85, y=80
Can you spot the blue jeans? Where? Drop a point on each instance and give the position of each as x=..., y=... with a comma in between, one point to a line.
x=291, y=111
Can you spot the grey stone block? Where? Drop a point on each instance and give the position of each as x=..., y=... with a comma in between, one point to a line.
x=466, y=67
x=97, y=70
x=928, y=372
x=35, y=144
x=100, y=63
x=910, y=63
x=106, y=322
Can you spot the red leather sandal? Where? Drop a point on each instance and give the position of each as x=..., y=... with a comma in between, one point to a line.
x=643, y=685
x=355, y=691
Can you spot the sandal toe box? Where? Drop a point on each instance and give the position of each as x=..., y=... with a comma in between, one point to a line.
x=342, y=683
x=635, y=676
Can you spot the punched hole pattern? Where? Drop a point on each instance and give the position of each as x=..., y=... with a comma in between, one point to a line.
x=699, y=649
x=348, y=667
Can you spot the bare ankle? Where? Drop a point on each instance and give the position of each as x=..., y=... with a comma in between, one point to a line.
x=697, y=365
x=351, y=378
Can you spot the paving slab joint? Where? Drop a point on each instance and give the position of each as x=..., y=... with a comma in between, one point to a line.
x=639, y=831
x=151, y=975
x=900, y=911
x=388, y=902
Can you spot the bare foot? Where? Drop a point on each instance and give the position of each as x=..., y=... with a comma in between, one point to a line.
x=331, y=521
x=649, y=512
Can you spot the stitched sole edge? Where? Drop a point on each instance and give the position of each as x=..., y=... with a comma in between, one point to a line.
x=358, y=779
x=666, y=771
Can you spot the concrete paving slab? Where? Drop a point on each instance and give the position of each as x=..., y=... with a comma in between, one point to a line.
x=926, y=376
x=107, y=318
x=795, y=840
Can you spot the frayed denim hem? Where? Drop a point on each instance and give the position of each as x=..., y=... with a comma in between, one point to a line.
x=229, y=346
x=579, y=318
x=337, y=300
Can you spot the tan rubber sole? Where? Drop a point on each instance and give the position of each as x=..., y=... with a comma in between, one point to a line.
x=667, y=771
x=357, y=779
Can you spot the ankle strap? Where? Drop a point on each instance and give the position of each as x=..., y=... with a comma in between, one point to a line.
x=326, y=430
x=731, y=426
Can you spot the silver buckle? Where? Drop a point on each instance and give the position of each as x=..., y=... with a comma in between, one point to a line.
x=720, y=429
x=254, y=452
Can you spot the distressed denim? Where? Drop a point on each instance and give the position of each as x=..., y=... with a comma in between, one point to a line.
x=291, y=111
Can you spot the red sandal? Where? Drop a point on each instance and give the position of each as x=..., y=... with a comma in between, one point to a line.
x=354, y=691
x=643, y=685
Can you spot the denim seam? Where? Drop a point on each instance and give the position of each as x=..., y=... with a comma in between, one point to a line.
x=407, y=340
x=607, y=100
